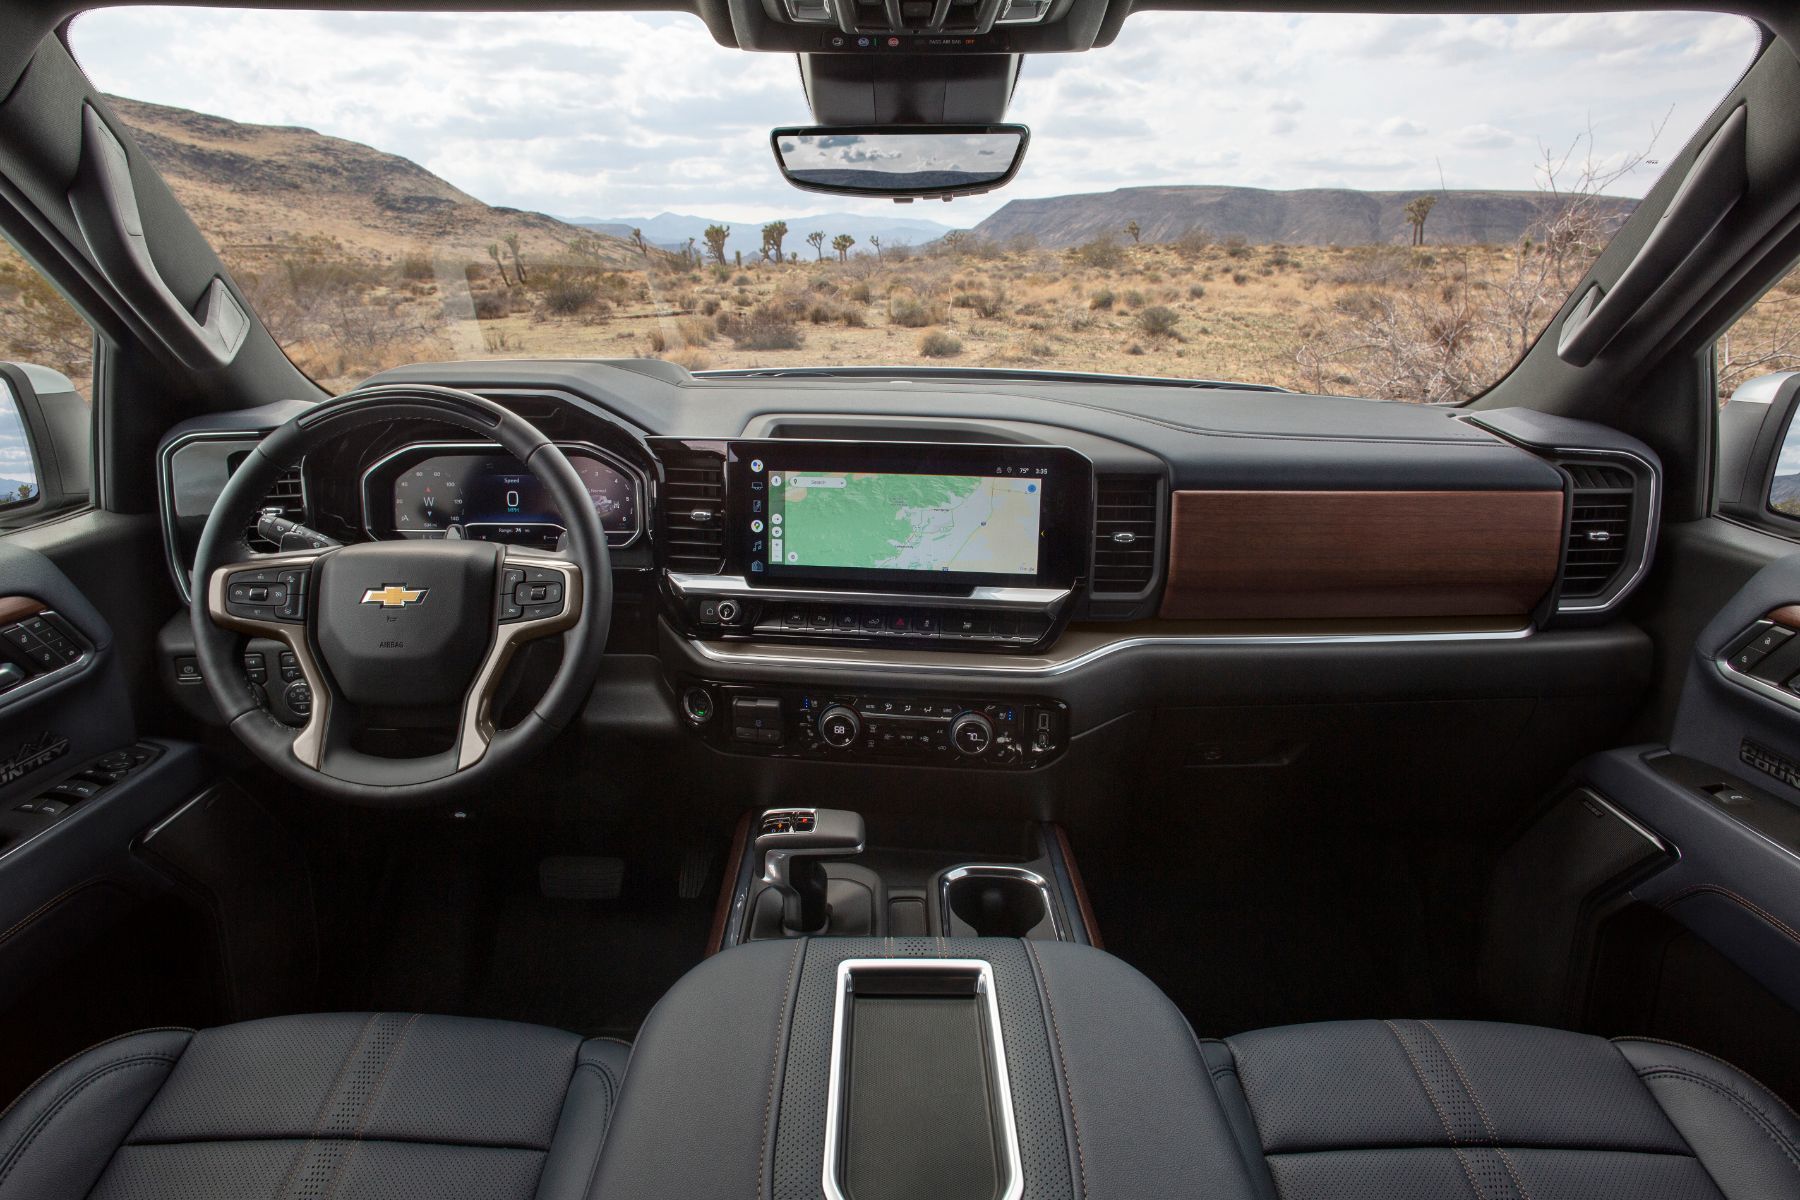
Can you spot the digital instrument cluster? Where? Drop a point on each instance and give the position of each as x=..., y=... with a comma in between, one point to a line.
x=421, y=491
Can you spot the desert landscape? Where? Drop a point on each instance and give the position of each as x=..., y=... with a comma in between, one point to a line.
x=358, y=260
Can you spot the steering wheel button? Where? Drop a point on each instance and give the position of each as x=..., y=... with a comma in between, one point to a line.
x=537, y=612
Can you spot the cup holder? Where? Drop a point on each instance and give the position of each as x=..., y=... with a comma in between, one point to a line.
x=1010, y=902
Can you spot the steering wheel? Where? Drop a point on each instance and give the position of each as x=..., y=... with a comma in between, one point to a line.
x=416, y=631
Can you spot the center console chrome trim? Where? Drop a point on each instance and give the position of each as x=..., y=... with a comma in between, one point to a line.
x=1012, y=599
x=1012, y=1167
x=743, y=654
x=996, y=871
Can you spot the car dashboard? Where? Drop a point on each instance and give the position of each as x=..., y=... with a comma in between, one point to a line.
x=973, y=572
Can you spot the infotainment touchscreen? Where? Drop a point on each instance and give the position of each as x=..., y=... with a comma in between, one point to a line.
x=875, y=521
x=900, y=515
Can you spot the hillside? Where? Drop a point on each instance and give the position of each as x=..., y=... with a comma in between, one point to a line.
x=1309, y=217
x=255, y=186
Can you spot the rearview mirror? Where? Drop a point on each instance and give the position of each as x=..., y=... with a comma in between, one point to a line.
x=903, y=162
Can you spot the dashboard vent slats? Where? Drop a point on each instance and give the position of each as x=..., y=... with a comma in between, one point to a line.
x=288, y=494
x=694, y=513
x=1127, y=513
x=1599, y=528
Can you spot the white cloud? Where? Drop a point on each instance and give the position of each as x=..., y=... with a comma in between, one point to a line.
x=607, y=114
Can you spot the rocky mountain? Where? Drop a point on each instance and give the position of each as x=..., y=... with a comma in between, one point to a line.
x=253, y=187
x=1306, y=217
x=672, y=230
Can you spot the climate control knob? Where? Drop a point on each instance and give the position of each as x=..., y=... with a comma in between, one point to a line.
x=972, y=734
x=839, y=727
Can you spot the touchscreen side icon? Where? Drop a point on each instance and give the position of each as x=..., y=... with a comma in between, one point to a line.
x=756, y=527
x=756, y=464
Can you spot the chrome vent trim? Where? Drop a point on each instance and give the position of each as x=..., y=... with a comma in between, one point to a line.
x=693, y=512
x=288, y=493
x=1128, y=532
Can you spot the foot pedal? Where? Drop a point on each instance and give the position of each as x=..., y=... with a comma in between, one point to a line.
x=696, y=865
x=580, y=877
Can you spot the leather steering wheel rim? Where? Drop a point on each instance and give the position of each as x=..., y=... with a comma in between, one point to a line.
x=317, y=757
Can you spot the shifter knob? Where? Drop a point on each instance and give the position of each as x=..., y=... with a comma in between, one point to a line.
x=793, y=841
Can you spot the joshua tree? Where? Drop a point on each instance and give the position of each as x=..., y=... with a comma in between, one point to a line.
x=1417, y=210
x=512, y=246
x=715, y=242
x=739, y=259
x=637, y=239
x=499, y=263
x=875, y=241
x=842, y=243
x=1134, y=231
x=816, y=239
x=773, y=233
x=692, y=254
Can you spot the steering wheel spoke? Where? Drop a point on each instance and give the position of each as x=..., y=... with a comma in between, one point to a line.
x=539, y=596
x=269, y=596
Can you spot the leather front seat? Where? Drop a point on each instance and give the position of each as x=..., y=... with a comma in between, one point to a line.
x=1430, y=1110
x=355, y=1106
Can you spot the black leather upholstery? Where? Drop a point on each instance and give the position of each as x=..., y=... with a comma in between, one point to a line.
x=384, y=1106
x=1425, y=1110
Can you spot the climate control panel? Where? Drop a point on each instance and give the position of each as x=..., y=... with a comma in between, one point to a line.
x=822, y=723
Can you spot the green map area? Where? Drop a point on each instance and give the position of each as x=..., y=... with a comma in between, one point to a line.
x=905, y=522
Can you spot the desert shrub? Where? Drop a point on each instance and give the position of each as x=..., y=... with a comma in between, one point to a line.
x=743, y=279
x=1196, y=291
x=710, y=306
x=693, y=358
x=1192, y=243
x=1080, y=321
x=1239, y=278
x=859, y=292
x=987, y=305
x=1101, y=300
x=1134, y=349
x=694, y=331
x=1135, y=299
x=1158, y=321
x=659, y=342
x=1102, y=254
x=912, y=312
x=491, y=306
x=766, y=327
x=720, y=272
x=853, y=318
x=938, y=344
x=416, y=266
x=822, y=313
x=1235, y=247
x=566, y=295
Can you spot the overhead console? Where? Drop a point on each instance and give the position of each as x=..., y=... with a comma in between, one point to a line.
x=902, y=544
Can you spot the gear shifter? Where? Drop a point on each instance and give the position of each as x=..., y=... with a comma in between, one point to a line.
x=793, y=843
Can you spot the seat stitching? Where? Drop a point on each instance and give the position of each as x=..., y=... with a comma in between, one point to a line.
x=1486, y=1121
x=1730, y=1066
x=1792, y=934
x=1443, y=1119
x=762, y=1154
x=370, y=1103
x=1769, y=1127
x=600, y=1142
x=14, y=1103
x=1062, y=1058
x=325, y=1106
x=14, y=1155
x=46, y=906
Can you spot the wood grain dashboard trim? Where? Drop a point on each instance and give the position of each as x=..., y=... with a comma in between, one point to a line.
x=1294, y=554
x=17, y=608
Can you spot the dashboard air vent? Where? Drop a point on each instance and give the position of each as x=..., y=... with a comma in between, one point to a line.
x=1599, y=528
x=694, y=513
x=1126, y=512
x=287, y=494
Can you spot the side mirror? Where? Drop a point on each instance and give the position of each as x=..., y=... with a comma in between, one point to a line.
x=45, y=453
x=901, y=162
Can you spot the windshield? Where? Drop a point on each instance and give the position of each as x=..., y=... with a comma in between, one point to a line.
x=1383, y=206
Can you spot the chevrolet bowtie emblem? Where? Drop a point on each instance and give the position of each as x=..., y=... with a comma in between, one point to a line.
x=393, y=595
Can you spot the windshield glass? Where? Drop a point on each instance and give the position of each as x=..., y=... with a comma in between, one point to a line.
x=1388, y=206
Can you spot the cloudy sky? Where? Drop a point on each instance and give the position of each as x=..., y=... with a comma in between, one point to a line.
x=611, y=115
x=15, y=455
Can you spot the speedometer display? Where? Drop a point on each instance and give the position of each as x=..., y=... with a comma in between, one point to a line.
x=491, y=497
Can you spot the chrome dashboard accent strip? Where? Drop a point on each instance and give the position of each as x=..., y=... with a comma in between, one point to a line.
x=737, y=654
x=639, y=482
x=1016, y=599
x=982, y=973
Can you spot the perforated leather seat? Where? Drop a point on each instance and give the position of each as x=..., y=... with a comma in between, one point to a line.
x=1430, y=1110
x=350, y=1106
